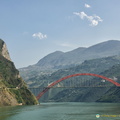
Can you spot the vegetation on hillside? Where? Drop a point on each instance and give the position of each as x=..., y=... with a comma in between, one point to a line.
x=13, y=89
x=113, y=94
x=96, y=66
x=88, y=66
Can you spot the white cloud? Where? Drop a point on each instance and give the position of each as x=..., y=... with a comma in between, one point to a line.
x=82, y=15
x=87, y=6
x=94, y=20
x=39, y=35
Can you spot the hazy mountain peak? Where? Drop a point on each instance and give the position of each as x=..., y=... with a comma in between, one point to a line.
x=50, y=58
x=78, y=49
x=107, y=46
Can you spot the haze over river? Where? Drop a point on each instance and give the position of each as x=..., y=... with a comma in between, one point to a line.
x=62, y=111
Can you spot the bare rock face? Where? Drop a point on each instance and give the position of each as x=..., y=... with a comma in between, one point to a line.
x=5, y=52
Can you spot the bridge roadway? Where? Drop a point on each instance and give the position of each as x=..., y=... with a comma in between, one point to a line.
x=72, y=87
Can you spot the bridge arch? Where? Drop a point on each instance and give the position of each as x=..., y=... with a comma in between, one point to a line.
x=69, y=76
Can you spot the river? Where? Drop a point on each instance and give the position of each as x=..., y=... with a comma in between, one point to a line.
x=62, y=111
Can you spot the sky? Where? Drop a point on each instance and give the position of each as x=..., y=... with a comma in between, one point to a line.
x=34, y=28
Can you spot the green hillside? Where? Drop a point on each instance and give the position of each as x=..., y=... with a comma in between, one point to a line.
x=112, y=95
x=107, y=94
x=89, y=66
x=96, y=66
x=13, y=90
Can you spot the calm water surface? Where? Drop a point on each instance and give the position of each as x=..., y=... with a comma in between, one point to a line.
x=62, y=111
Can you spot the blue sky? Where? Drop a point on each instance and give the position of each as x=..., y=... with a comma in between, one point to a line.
x=34, y=28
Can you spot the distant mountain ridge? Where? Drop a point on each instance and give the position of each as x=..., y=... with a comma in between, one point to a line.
x=59, y=60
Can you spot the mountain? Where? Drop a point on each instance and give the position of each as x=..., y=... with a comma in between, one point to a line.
x=94, y=59
x=13, y=90
x=59, y=60
x=103, y=67
x=96, y=66
x=88, y=66
x=113, y=94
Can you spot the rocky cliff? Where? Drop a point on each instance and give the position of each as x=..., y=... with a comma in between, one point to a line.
x=13, y=90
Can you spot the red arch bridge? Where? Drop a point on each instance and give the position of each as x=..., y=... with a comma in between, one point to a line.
x=51, y=85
